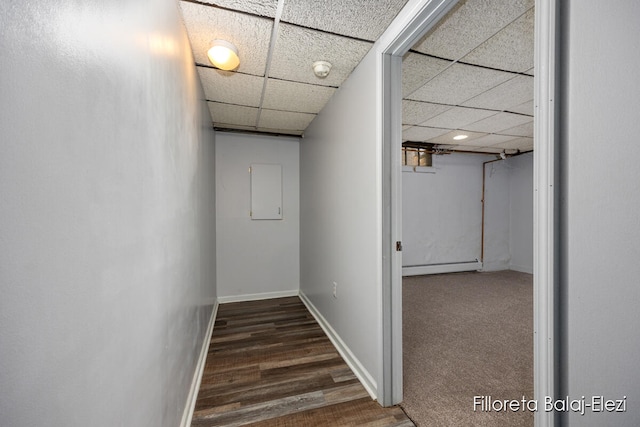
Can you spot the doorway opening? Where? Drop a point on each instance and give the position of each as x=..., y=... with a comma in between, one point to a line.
x=428, y=22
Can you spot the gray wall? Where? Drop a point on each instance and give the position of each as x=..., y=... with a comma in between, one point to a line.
x=509, y=214
x=270, y=248
x=521, y=212
x=107, y=253
x=442, y=211
x=340, y=208
x=601, y=228
x=497, y=250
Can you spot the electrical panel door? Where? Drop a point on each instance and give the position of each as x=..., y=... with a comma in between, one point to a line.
x=266, y=191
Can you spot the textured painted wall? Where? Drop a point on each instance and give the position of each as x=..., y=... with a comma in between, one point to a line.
x=340, y=229
x=601, y=230
x=442, y=211
x=521, y=213
x=256, y=257
x=107, y=238
x=497, y=231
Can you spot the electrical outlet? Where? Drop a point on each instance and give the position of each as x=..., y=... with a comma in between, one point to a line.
x=335, y=290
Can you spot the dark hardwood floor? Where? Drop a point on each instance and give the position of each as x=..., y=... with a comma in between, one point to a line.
x=270, y=364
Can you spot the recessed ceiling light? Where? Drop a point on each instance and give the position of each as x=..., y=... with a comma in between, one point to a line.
x=223, y=55
x=460, y=137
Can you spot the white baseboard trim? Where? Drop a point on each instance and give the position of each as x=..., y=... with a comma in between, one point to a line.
x=363, y=375
x=187, y=415
x=458, y=267
x=521, y=268
x=255, y=297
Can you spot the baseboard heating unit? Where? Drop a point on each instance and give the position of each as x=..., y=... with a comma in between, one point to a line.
x=456, y=267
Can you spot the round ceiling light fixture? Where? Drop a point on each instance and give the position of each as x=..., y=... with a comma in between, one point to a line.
x=321, y=69
x=460, y=137
x=223, y=55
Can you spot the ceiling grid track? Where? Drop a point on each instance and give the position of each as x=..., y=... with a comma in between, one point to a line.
x=484, y=91
x=520, y=73
x=272, y=44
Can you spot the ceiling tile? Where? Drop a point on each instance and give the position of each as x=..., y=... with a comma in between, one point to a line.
x=284, y=120
x=249, y=34
x=420, y=133
x=227, y=114
x=417, y=69
x=498, y=123
x=230, y=87
x=457, y=118
x=293, y=96
x=459, y=83
x=414, y=112
x=256, y=7
x=524, y=108
x=298, y=48
x=522, y=130
x=361, y=19
x=447, y=138
x=468, y=25
x=510, y=49
x=513, y=92
x=522, y=144
x=530, y=72
x=487, y=140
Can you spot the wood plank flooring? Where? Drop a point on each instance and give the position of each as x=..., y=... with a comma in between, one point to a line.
x=270, y=364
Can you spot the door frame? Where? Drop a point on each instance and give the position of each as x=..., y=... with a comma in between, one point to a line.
x=426, y=14
x=545, y=180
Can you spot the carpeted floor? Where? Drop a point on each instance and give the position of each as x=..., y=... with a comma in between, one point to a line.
x=466, y=335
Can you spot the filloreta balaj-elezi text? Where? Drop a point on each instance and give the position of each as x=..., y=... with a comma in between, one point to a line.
x=581, y=405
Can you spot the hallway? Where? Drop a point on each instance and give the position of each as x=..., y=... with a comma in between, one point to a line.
x=270, y=364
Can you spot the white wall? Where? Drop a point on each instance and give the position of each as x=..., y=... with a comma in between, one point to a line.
x=601, y=228
x=442, y=211
x=509, y=214
x=497, y=250
x=107, y=253
x=340, y=215
x=521, y=212
x=256, y=258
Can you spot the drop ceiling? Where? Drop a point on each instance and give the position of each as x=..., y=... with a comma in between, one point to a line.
x=472, y=73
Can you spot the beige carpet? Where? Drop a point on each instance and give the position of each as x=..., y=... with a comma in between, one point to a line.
x=466, y=335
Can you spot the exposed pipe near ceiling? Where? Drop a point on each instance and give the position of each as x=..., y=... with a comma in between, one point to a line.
x=435, y=149
x=272, y=45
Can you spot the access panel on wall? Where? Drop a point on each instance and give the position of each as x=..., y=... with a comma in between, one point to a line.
x=266, y=191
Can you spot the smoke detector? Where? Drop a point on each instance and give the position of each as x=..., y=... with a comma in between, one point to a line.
x=321, y=69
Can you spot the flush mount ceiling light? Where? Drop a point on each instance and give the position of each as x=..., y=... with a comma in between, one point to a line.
x=321, y=68
x=223, y=55
x=460, y=137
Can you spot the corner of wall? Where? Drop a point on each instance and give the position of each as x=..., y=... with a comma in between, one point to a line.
x=190, y=406
x=358, y=368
